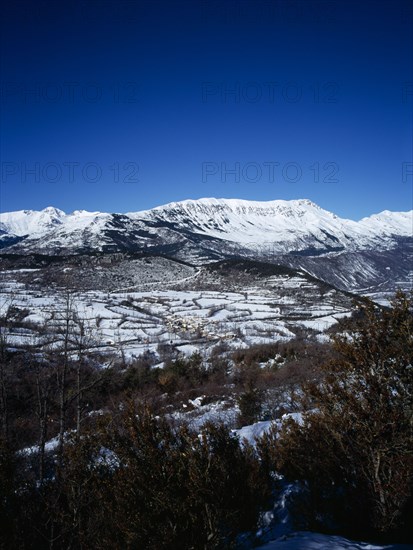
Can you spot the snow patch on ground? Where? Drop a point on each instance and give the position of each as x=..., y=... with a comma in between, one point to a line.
x=316, y=541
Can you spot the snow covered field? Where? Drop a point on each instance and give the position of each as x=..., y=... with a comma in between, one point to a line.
x=173, y=304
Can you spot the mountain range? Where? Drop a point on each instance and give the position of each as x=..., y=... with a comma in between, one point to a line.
x=373, y=254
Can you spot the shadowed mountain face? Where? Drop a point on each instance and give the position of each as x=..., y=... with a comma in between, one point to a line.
x=373, y=254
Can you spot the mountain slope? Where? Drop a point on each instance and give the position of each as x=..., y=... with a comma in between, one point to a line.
x=288, y=225
x=203, y=230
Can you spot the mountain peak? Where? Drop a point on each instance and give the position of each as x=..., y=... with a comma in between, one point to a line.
x=52, y=211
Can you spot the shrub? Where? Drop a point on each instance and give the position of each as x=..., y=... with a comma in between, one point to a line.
x=354, y=446
x=175, y=489
x=250, y=406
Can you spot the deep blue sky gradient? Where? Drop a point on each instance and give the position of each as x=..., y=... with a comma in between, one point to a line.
x=322, y=88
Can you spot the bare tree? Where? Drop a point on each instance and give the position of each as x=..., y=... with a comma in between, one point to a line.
x=5, y=324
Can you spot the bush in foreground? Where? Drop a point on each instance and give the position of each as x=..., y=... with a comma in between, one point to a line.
x=353, y=448
x=138, y=482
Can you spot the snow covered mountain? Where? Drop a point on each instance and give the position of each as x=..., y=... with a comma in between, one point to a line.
x=210, y=229
x=288, y=226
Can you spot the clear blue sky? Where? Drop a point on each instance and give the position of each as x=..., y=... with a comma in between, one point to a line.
x=122, y=106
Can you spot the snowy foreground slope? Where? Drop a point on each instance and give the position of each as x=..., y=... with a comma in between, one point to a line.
x=316, y=541
x=282, y=536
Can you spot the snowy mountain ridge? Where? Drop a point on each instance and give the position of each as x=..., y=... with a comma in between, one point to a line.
x=234, y=220
x=374, y=254
x=243, y=221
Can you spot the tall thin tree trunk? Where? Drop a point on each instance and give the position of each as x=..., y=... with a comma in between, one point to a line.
x=42, y=410
x=3, y=389
x=63, y=374
x=3, y=402
x=78, y=400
